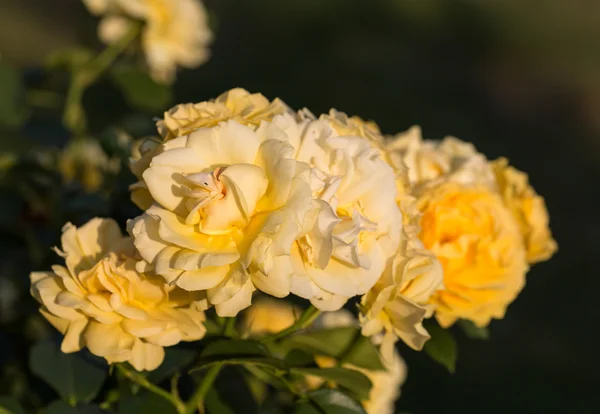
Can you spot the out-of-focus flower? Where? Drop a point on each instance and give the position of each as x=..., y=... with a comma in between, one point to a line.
x=386, y=383
x=101, y=302
x=176, y=32
x=474, y=223
x=236, y=104
x=268, y=315
x=358, y=226
x=84, y=160
x=529, y=209
x=229, y=201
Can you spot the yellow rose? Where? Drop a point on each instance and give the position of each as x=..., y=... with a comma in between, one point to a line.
x=101, y=302
x=466, y=225
x=358, y=223
x=85, y=161
x=529, y=209
x=386, y=383
x=477, y=240
x=229, y=202
x=176, y=32
x=141, y=155
x=397, y=305
x=268, y=316
x=236, y=104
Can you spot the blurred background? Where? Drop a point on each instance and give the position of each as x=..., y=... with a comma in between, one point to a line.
x=517, y=78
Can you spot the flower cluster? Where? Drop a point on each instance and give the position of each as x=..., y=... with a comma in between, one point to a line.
x=242, y=195
x=176, y=32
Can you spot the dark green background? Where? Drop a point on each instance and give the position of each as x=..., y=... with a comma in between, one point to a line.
x=519, y=79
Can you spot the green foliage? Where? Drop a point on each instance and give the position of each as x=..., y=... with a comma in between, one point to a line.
x=9, y=405
x=345, y=342
x=473, y=331
x=441, y=347
x=352, y=380
x=175, y=360
x=327, y=401
x=75, y=377
x=140, y=90
x=12, y=104
x=146, y=403
x=61, y=407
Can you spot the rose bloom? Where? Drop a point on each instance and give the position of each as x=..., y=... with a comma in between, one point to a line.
x=397, y=305
x=471, y=223
x=236, y=104
x=101, y=302
x=358, y=224
x=529, y=209
x=175, y=33
x=268, y=316
x=85, y=161
x=386, y=383
x=229, y=201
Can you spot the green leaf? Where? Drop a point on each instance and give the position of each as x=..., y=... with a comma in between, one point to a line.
x=146, y=403
x=473, y=331
x=299, y=358
x=140, y=90
x=333, y=402
x=12, y=107
x=214, y=403
x=9, y=405
x=364, y=355
x=174, y=360
x=61, y=407
x=76, y=377
x=234, y=347
x=332, y=342
x=441, y=347
x=265, y=362
x=356, y=382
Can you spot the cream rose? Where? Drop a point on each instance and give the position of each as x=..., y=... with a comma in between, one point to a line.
x=397, y=305
x=236, y=104
x=229, y=202
x=101, y=302
x=358, y=224
x=176, y=32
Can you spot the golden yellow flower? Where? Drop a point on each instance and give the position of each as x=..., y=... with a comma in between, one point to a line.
x=481, y=220
x=529, y=209
x=236, y=104
x=176, y=32
x=268, y=315
x=101, y=302
x=229, y=201
x=477, y=240
x=85, y=161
